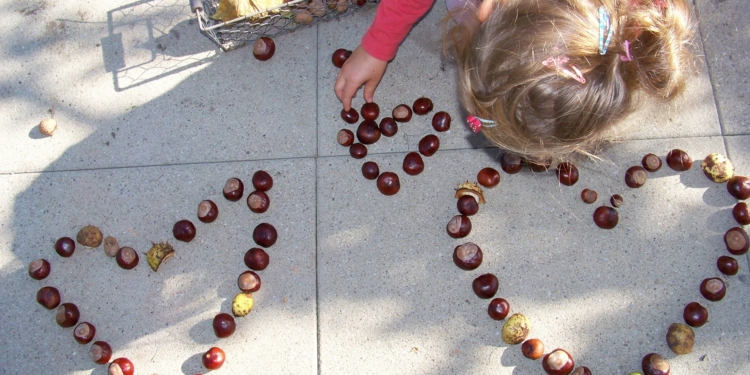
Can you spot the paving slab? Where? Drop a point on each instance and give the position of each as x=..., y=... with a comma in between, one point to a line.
x=392, y=301
x=161, y=321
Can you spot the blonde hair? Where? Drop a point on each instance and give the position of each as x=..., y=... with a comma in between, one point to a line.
x=541, y=113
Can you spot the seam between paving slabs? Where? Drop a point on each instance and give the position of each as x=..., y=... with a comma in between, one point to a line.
x=317, y=153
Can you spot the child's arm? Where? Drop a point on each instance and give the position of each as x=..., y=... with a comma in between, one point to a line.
x=368, y=62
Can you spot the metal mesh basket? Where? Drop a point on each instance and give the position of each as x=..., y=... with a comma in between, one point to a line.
x=269, y=22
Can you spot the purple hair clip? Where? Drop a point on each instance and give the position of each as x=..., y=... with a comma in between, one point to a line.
x=475, y=123
x=627, y=56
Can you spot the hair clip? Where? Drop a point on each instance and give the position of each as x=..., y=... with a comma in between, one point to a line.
x=559, y=62
x=627, y=56
x=604, y=28
x=475, y=123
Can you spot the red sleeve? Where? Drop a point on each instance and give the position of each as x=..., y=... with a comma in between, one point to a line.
x=392, y=23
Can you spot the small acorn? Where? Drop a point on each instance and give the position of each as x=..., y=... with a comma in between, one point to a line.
x=717, y=168
x=158, y=253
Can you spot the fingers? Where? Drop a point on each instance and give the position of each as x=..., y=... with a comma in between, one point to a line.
x=340, y=88
x=369, y=90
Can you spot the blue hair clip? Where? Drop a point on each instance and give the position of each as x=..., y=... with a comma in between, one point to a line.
x=604, y=28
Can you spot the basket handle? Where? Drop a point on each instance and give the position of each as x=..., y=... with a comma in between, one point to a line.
x=195, y=5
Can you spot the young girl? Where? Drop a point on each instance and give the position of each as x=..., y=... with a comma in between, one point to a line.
x=542, y=78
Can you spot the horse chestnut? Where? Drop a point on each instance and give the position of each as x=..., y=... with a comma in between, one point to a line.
x=511, y=163
x=558, y=362
x=67, y=315
x=358, y=150
x=207, y=211
x=429, y=145
x=265, y=235
x=651, y=163
x=467, y=256
x=100, y=352
x=234, y=189
x=262, y=181
x=488, y=177
x=741, y=213
x=127, y=258
x=370, y=170
x=345, y=137
x=48, y=296
x=635, y=176
x=413, y=164
x=695, y=315
x=567, y=173
x=39, y=269
x=121, y=366
x=339, y=57
x=249, y=281
x=264, y=48
x=214, y=358
x=485, y=286
x=713, y=289
x=65, y=246
x=589, y=196
x=370, y=111
x=388, y=183
x=224, y=325
x=736, y=241
x=368, y=132
x=739, y=187
x=498, y=309
x=258, y=202
x=256, y=259
x=679, y=160
x=351, y=116
x=402, y=113
x=532, y=349
x=606, y=217
x=184, y=230
x=441, y=121
x=84, y=333
x=727, y=265
x=422, y=106
x=467, y=205
x=459, y=226
x=388, y=127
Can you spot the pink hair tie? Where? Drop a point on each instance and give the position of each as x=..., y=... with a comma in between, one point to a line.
x=627, y=56
x=475, y=123
x=559, y=64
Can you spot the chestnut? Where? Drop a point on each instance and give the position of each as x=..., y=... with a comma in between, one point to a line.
x=340, y=56
x=127, y=258
x=467, y=205
x=429, y=145
x=67, y=315
x=368, y=132
x=65, y=246
x=402, y=113
x=680, y=338
x=388, y=183
x=539, y=166
x=616, y=200
x=737, y=241
x=485, y=286
x=224, y=325
x=651, y=162
x=121, y=366
x=558, y=362
x=111, y=246
x=183, y=230
x=388, y=127
x=84, y=333
x=654, y=364
x=741, y=213
x=635, y=176
x=207, y=211
x=516, y=329
x=100, y=352
x=262, y=181
x=89, y=236
x=249, y=281
x=264, y=48
x=214, y=358
x=413, y=164
x=695, y=315
x=351, y=116
x=48, y=296
x=370, y=170
x=583, y=370
x=739, y=187
x=511, y=163
x=345, y=137
x=589, y=196
x=39, y=269
x=532, y=349
x=727, y=265
x=488, y=177
x=258, y=202
x=370, y=111
x=567, y=173
x=467, y=256
x=459, y=226
x=498, y=308
x=234, y=189
x=606, y=217
x=422, y=106
x=441, y=121
x=679, y=160
x=256, y=259
x=265, y=235
x=713, y=289
x=358, y=151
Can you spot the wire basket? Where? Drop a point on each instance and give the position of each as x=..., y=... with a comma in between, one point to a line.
x=269, y=22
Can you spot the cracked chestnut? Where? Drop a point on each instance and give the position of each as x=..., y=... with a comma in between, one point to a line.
x=736, y=241
x=224, y=325
x=265, y=235
x=635, y=176
x=100, y=352
x=402, y=113
x=368, y=132
x=532, y=349
x=429, y=144
x=262, y=181
x=256, y=259
x=654, y=364
x=695, y=314
x=351, y=116
x=616, y=200
x=741, y=213
x=388, y=183
x=606, y=217
x=467, y=256
x=249, y=281
x=467, y=205
x=67, y=315
x=441, y=121
x=589, y=196
x=345, y=137
x=49, y=297
x=651, y=162
x=358, y=151
x=39, y=269
x=84, y=333
x=459, y=226
x=498, y=309
x=388, y=127
x=422, y=106
x=184, y=230
x=214, y=358
x=713, y=289
x=339, y=57
x=488, y=177
x=727, y=265
x=127, y=258
x=413, y=164
x=233, y=189
x=511, y=163
x=567, y=173
x=264, y=48
x=370, y=170
x=65, y=246
x=207, y=211
x=485, y=286
x=121, y=366
x=739, y=187
x=558, y=362
x=679, y=160
x=258, y=202
x=370, y=111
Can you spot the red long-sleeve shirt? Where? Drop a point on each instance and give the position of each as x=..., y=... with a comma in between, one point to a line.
x=392, y=23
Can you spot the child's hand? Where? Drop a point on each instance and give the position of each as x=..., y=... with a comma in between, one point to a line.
x=360, y=68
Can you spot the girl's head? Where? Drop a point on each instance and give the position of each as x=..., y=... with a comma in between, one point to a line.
x=535, y=68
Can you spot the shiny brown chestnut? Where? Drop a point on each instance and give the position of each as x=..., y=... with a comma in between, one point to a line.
x=532, y=349
x=256, y=259
x=368, y=132
x=441, y=121
x=345, y=137
x=589, y=196
x=339, y=57
x=207, y=211
x=402, y=113
x=679, y=160
x=65, y=246
x=84, y=333
x=539, y=166
x=370, y=170
x=488, y=177
x=467, y=256
x=727, y=265
x=713, y=289
x=695, y=314
x=635, y=176
x=736, y=241
x=467, y=205
x=39, y=269
x=127, y=258
x=262, y=181
x=214, y=358
x=388, y=183
x=511, y=163
x=100, y=352
x=606, y=217
x=583, y=370
x=567, y=173
x=485, y=286
x=422, y=106
x=413, y=164
x=388, y=127
x=558, y=362
x=498, y=309
x=67, y=315
x=616, y=200
x=48, y=296
x=651, y=162
x=224, y=325
x=249, y=281
x=739, y=187
x=351, y=116
x=654, y=364
x=264, y=48
x=358, y=151
x=121, y=366
x=184, y=230
x=429, y=144
x=234, y=189
x=459, y=226
x=258, y=202
x=370, y=111
x=265, y=235
x=741, y=213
